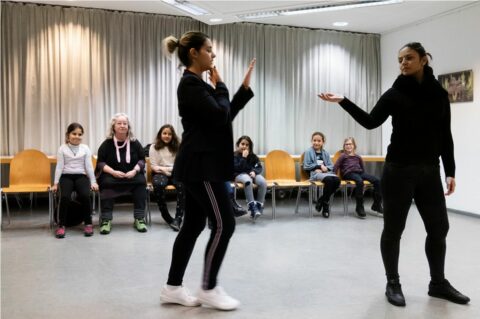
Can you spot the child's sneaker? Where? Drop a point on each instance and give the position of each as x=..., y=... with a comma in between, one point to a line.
x=60, y=232
x=259, y=207
x=88, y=230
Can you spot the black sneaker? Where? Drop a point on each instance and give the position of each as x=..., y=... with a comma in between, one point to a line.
x=394, y=293
x=445, y=291
x=175, y=224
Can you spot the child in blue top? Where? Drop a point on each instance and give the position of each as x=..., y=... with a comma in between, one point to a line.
x=352, y=168
x=247, y=169
x=317, y=161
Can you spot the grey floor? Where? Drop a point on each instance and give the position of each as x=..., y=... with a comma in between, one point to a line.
x=293, y=267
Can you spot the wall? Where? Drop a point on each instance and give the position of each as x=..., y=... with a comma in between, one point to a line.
x=452, y=39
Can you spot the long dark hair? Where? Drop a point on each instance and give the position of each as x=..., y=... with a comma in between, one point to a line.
x=174, y=143
x=72, y=127
x=249, y=140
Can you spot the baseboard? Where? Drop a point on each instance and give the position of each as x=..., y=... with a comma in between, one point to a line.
x=462, y=212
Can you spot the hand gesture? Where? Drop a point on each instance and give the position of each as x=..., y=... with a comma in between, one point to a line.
x=131, y=174
x=450, y=185
x=118, y=174
x=246, y=79
x=214, y=76
x=245, y=153
x=331, y=97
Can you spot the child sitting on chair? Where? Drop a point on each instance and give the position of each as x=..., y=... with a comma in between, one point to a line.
x=317, y=161
x=352, y=168
x=247, y=169
x=74, y=172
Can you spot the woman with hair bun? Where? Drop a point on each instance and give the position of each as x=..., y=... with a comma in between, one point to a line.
x=204, y=163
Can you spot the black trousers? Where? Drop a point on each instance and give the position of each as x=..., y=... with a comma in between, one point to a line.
x=422, y=183
x=81, y=185
x=330, y=185
x=159, y=182
x=359, y=178
x=203, y=200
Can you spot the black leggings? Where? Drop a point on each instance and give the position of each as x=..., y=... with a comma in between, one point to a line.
x=422, y=183
x=81, y=185
x=203, y=200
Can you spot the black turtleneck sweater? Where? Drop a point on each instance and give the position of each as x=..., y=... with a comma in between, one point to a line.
x=420, y=120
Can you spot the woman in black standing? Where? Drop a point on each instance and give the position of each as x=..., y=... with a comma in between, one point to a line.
x=421, y=133
x=203, y=164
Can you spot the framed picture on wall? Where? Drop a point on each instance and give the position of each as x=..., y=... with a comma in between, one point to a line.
x=459, y=85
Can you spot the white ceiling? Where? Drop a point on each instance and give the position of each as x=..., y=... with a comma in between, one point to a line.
x=378, y=19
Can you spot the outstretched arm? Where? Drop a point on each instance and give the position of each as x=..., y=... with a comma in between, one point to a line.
x=371, y=120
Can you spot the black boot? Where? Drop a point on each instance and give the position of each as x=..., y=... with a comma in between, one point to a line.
x=326, y=209
x=176, y=223
x=377, y=203
x=359, y=209
x=394, y=293
x=238, y=210
x=445, y=290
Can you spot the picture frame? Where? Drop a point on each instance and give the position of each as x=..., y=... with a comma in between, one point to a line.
x=459, y=85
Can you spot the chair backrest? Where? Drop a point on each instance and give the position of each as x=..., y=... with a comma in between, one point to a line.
x=30, y=167
x=279, y=165
x=149, y=171
x=304, y=175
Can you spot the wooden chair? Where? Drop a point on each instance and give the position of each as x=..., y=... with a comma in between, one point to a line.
x=280, y=173
x=30, y=173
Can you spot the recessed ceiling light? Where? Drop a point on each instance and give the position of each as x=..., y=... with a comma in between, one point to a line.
x=340, y=24
x=216, y=19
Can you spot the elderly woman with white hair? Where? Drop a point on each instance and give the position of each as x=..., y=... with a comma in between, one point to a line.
x=120, y=170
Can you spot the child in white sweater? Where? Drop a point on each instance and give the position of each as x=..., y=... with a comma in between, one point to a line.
x=74, y=172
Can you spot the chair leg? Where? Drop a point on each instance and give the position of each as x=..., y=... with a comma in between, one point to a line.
x=273, y=202
x=51, y=209
x=310, y=195
x=298, y=199
x=8, y=209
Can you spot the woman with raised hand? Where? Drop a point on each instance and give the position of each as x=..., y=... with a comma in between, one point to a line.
x=204, y=163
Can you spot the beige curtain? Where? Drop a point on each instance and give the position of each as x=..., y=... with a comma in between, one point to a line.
x=61, y=65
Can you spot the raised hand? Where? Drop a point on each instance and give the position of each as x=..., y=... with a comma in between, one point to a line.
x=246, y=79
x=331, y=97
x=214, y=76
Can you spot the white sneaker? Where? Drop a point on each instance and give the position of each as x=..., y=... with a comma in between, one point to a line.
x=179, y=295
x=217, y=298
